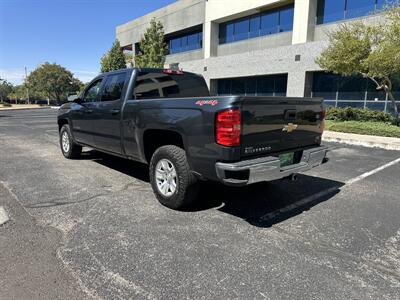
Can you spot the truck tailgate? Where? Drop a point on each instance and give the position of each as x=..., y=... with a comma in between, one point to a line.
x=273, y=124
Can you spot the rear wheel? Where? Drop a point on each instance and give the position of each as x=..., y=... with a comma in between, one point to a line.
x=68, y=148
x=171, y=179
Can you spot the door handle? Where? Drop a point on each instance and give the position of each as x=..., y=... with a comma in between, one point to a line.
x=88, y=111
x=114, y=111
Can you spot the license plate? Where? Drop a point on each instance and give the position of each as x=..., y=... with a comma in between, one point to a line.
x=286, y=159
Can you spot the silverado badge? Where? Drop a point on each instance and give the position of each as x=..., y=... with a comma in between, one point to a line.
x=290, y=127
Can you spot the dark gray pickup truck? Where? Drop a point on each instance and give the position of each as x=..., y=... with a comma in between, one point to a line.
x=167, y=119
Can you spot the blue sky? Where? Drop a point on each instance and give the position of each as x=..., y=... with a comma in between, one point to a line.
x=72, y=33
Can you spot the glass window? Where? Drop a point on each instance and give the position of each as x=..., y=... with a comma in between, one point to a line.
x=175, y=46
x=265, y=86
x=359, y=8
x=381, y=3
x=92, y=91
x=160, y=85
x=269, y=23
x=251, y=87
x=187, y=42
x=184, y=44
x=242, y=30
x=280, y=85
x=230, y=29
x=330, y=11
x=238, y=86
x=270, y=85
x=286, y=16
x=193, y=41
x=113, y=87
x=147, y=86
x=254, y=26
x=224, y=87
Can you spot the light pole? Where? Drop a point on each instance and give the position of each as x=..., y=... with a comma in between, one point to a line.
x=27, y=86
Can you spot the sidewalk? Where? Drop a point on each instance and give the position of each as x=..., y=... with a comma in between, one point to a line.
x=362, y=140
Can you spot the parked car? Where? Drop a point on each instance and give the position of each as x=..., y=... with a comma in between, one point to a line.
x=167, y=119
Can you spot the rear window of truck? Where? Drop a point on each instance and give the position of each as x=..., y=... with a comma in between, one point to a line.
x=160, y=85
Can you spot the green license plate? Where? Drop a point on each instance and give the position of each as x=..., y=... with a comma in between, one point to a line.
x=286, y=159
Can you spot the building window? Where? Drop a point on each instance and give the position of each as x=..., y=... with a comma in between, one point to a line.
x=270, y=85
x=337, y=10
x=354, y=91
x=270, y=22
x=185, y=42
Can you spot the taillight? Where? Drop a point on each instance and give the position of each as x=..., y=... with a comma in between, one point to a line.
x=323, y=123
x=228, y=127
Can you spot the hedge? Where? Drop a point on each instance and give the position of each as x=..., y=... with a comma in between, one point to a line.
x=357, y=114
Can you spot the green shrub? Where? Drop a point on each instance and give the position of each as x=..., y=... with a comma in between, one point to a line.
x=357, y=114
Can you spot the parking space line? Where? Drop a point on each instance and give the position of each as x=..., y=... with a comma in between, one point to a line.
x=367, y=174
x=324, y=193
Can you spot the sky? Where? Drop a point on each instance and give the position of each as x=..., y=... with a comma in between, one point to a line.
x=72, y=33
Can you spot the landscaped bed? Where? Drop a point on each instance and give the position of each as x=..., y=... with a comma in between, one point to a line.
x=368, y=128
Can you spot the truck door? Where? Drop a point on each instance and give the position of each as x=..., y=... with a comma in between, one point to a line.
x=107, y=112
x=82, y=115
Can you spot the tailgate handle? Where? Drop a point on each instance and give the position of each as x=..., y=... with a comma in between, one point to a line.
x=290, y=114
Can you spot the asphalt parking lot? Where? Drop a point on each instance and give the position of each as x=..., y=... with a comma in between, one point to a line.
x=333, y=234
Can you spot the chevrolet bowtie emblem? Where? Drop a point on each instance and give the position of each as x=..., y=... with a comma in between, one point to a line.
x=290, y=127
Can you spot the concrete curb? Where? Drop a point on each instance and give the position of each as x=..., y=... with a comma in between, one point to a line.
x=370, y=141
x=22, y=108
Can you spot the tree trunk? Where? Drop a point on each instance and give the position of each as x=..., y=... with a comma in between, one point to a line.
x=394, y=104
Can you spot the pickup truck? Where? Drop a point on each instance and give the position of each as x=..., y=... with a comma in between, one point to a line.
x=168, y=120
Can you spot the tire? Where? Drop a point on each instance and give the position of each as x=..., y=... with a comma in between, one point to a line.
x=68, y=147
x=186, y=185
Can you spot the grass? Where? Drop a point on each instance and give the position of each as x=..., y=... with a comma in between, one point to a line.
x=368, y=128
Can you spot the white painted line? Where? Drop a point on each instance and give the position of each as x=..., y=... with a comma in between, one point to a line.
x=367, y=174
x=3, y=216
x=299, y=203
x=324, y=193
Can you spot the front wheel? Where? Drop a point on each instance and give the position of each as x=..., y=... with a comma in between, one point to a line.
x=171, y=179
x=68, y=147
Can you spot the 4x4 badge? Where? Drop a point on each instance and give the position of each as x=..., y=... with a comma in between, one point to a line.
x=290, y=127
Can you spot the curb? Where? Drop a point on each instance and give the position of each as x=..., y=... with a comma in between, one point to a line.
x=25, y=108
x=369, y=141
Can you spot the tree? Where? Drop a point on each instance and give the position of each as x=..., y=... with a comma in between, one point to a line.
x=53, y=81
x=114, y=59
x=6, y=89
x=372, y=51
x=153, y=48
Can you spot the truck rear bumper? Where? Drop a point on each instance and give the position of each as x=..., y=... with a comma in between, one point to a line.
x=267, y=168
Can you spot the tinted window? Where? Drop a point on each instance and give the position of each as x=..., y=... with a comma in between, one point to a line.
x=286, y=19
x=113, y=87
x=92, y=91
x=269, y=23
x=241, y=30
x=186, y=42
x=277, y=20
x=359, y=8
x=271, y=85
x=330, y=10
x=254, y=26
x=160, y=85
x=336, y=10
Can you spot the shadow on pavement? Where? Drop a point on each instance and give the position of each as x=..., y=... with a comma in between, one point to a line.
x=262, y=204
